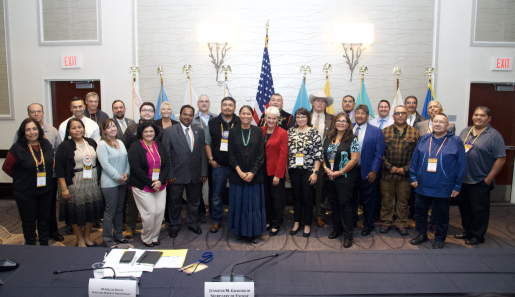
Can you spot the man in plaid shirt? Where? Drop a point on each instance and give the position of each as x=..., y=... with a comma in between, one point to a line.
x=400, y=142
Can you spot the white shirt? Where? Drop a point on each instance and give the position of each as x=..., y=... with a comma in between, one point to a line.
x=92, y=129
x=411, y=119
x=321, y=123
x=377, y=122
x=190, y=132
x=430, y=126
x=361, y=137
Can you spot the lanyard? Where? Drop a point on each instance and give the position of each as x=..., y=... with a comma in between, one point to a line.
x=297, y=138
x=150, y=149
x=222, y=127
x=95, y=116
x=430, y=142
x=36, y=160
x=473, y=135
x=163, y=124
x=85, y=156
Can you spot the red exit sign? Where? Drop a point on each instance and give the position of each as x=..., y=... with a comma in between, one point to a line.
x=71, y=61
x=503, y=63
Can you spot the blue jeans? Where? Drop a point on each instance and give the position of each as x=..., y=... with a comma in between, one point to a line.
x=220, y=176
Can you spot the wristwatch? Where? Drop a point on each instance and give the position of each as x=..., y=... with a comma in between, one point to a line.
x=315, y=171
x=211, y=159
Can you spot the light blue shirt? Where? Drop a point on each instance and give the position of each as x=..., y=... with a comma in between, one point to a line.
x=114, y=163
x=205, y=118
x=361, y=136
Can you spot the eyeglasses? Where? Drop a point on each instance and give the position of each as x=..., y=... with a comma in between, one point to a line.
x=341, y=122
x=147, y=110
x=400, y=113
x=35, y=111
x=203, y=102
x=302, y=117
x=439, y=122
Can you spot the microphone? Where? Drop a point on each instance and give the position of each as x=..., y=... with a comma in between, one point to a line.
x=238, y=278
x=63, y=271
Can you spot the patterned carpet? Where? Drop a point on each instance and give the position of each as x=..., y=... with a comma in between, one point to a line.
x=501, y=234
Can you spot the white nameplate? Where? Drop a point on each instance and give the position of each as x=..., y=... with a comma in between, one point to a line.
x=112, y=287
x=228, y=289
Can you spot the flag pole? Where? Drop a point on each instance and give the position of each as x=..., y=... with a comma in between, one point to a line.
x=397, y=72
x=160, y=72
x=304, y=69
x=133, y=70
x=362, y=71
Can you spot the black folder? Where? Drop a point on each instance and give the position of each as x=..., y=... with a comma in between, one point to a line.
x=149, y=258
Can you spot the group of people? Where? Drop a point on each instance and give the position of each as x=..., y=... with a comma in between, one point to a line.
x=395, y=165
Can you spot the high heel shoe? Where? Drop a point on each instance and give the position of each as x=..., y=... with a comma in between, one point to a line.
x=274, y=233
x=148, y=244
x=307, y=234
x=293, y=232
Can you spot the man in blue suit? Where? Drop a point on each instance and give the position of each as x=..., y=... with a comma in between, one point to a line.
x=371, y=143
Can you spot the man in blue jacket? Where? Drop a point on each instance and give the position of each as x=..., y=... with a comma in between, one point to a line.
x=371, y=143
x=437, y=169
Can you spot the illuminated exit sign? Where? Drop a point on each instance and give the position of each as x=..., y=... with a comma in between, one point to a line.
x=502, y=63
x=71, y=61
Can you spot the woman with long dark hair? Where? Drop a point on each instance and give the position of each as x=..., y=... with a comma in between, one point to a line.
x=341, y=155
x=77, y=172
x=30, y=163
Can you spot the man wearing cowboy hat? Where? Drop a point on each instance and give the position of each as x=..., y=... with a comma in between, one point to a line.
x=321, y=121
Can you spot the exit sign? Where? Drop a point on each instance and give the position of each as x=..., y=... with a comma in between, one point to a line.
x=71, y=61
x=502, y=63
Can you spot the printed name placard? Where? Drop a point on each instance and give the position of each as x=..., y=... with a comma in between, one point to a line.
x=229, y=289
x=112, y=287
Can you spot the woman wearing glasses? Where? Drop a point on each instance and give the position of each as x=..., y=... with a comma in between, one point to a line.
x=304, y=159
x=341, y=155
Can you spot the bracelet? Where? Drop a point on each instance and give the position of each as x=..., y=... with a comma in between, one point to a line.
x=63, y=190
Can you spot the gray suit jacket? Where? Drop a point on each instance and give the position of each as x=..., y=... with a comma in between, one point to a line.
x=418, y=118
x=423, y=126
x=128, y=122
x=186, y=165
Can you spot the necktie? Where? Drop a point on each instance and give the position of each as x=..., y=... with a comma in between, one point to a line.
x=411, y=119
x=382, y=123
x=316, y=121
x=123, y=126
x=188, y=139
x=356, y=133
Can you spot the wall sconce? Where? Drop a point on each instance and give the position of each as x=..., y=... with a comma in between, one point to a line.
x=217, y=34
x=354, y=34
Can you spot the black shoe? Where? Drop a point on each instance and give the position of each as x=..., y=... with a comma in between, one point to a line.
x=196, y=230
x=173, y=233
x=92, y=245
x=306, y=234
x=69, y=229
x=334, y=234
x=157, y=243
x=402, y=231
x=56, y=236
x=202, y=219
x=347, y=243
x=366, y=231
x=462, y=236
x=44, y=244
x=148, y=244
x=272, y=233
x=294, y=232
x=438, y=244
x=472, y=241
x=385, y=229
x=121, y=241
x=268, y=227
x=421, y=238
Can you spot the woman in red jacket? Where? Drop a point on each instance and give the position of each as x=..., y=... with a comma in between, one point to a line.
x=276, y=150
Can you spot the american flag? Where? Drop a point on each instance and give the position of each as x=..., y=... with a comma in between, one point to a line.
x=266, y=86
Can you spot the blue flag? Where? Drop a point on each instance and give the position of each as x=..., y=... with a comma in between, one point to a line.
x=363, y=98
x=302, y=100
x=162, y=98
x=429, y=97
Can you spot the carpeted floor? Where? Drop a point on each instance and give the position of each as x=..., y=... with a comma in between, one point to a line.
x=501, y=234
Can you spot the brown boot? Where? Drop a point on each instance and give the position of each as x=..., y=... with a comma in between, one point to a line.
x=214, y=228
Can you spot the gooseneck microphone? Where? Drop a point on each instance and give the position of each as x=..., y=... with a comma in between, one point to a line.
x=87, y=269
x=238, y=278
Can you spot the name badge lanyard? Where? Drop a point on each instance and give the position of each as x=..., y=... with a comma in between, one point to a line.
x=41, y=176
x=299, y=157
x=469, y=146
x=156, y=170
x=432, y=162
x=224, y=144
x=87, y=162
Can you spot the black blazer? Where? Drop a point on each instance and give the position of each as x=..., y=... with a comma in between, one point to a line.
x=343, y=147
x=139, y=165
x=128, y=122
x=65, y=162
x=250, y=158
x=160, y=123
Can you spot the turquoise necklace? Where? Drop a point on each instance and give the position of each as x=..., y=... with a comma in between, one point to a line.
x=245, y=143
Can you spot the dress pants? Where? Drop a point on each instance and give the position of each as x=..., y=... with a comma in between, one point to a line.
x=440, y=215
x=302, y=195
x=474, y=208
x=152, y=208
x=220, y=176
x=366, y=192
x=340, y=196
x=114, y=198
x=391, y=189
x=53, y=215
x=202, y=206
x=321, y=197
x=174, y=205
x=35, y=211
x=274, y=202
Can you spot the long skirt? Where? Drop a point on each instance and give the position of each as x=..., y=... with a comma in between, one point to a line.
x=85, y=204
x=247, y=214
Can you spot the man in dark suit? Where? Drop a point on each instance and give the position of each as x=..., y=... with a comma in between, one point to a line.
x=186, y=147
x=411, y=103
x=286, y=120
x=321, y=121
x=120, y=120
x=371, y=143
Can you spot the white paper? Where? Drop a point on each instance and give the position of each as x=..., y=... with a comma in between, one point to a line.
x=299, y=161
x=124, y=269
x=224, y=146
x=41, y=181
x=87, y=173
x=112, y=287
x=229, y=289
x=155, y=175
x=169, y=262
x=431, y=167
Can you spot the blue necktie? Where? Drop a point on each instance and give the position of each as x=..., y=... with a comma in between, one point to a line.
x=382, y=123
